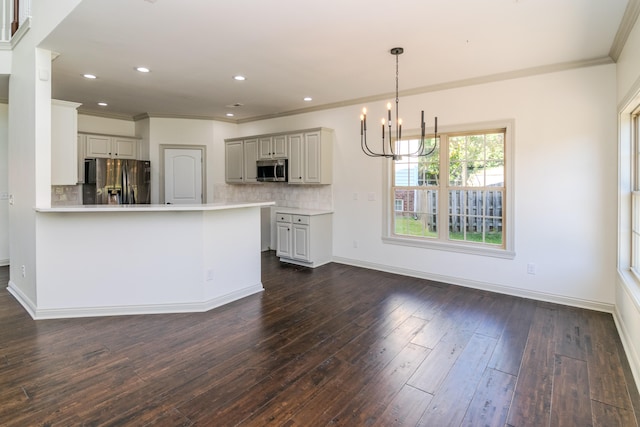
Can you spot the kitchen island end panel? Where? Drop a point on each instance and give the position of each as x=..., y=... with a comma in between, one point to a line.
x=138, y=262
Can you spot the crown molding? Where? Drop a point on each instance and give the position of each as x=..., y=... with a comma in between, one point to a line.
x=144, y=116
x=104, y=114
x=509, y=75
x=629, y=19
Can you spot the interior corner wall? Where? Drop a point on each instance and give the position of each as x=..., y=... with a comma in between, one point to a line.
x=22, y=179
x=4, y=185
x=627, y=310
x=29, y=142
x=565, y=169
x=208, y=133
x=107, y=126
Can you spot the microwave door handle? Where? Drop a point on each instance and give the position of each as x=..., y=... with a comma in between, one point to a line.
x=275, y=171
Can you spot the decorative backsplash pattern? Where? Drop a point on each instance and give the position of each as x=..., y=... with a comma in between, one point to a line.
x=292, y=196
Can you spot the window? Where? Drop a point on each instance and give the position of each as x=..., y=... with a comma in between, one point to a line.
x=635, y=194
x=456, y=198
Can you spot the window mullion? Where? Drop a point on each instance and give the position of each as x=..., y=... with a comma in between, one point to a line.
x=443, y=189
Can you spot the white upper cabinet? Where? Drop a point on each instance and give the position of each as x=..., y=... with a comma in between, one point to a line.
x=240, y=161
x=311, y=159
x=115, y=147
x=250, y=151
x=272, y=147
x=64, y=142
x=310, y=155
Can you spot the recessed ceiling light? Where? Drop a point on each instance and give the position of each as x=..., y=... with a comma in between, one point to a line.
x=143, y=69
x=89, y=76
x=102, y=104
x=230, y=114
x=239, y=78
x=308, y=98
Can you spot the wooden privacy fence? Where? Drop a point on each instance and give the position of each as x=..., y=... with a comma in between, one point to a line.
x=467, y=208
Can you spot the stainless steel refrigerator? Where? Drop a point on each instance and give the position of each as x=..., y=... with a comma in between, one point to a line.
x=116, y=182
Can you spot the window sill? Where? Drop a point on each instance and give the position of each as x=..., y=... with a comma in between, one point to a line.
x=451, y=247
x=631, y=284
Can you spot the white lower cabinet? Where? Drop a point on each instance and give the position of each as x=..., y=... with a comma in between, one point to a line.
x=304, y=237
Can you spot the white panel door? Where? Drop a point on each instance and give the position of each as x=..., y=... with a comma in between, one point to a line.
x=182, y=176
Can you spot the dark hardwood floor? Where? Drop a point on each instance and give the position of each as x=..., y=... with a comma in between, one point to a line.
x=337, y=345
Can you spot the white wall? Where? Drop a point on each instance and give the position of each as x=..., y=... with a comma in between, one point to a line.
x=627, y=310
x=4, y=185
x=208, y=133
x=565, y=167
x=107, y=126
x=30, y=140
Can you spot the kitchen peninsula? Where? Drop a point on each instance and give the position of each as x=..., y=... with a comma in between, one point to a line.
x=134, y=259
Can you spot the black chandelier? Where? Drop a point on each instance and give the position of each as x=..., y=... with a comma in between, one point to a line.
x=392, y=152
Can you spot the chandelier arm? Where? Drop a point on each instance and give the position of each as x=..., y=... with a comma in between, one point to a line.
x=366, y=150
x=435, y=145
x=365, y=147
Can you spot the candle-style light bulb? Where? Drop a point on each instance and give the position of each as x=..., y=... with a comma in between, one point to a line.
x=364, y=119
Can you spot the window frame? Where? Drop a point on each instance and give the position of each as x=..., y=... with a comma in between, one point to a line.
x=634, y=226
x=507, y=250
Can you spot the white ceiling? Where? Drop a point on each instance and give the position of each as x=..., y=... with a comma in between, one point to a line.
x=336, y=51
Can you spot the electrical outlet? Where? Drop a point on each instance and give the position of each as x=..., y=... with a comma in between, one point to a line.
x=24, y=271
x=371, y=197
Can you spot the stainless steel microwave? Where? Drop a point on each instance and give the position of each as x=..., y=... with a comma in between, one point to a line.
x=272, y=170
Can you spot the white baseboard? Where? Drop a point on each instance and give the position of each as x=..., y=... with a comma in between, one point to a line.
x=4, y=262
x=629, y=349
x=485, y=286
x=23, y=299
x=193, y=307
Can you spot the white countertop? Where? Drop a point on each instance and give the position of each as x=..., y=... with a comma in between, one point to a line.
x=154, y=208
x=299, y=211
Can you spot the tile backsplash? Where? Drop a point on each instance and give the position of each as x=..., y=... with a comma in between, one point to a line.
x=293, y=196
x=64, y=195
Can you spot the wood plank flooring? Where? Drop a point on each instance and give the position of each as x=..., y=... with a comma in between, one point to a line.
x=333, y=346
